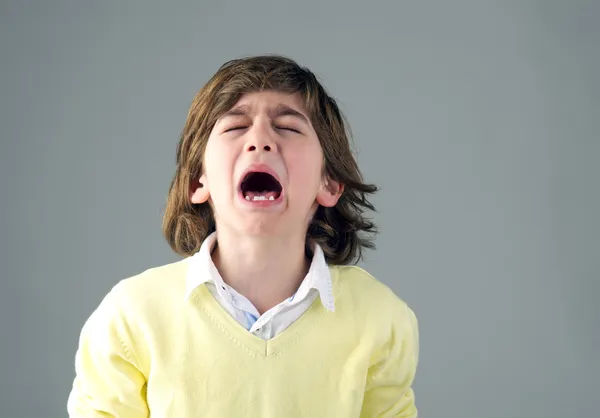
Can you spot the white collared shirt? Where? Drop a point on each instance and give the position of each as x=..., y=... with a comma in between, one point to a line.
x=317, y=283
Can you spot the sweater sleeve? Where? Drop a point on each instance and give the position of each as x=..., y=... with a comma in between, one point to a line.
x=108, y=380
x=388, y=391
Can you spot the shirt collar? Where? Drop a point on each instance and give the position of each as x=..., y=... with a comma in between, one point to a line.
x=201, y=270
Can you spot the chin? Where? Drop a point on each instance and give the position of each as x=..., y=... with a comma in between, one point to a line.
x=257, y=226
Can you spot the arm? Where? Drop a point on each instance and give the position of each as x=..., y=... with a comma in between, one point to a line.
x=389, y=392
x=108, y=381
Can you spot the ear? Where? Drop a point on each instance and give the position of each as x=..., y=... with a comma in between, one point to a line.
x=199, y=190
x=330, y=193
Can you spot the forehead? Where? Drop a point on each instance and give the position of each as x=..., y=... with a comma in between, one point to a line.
x=265, y=101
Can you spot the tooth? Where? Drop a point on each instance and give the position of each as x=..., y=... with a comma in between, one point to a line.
x=271, y=198
x=260, y=198
x=247, y=197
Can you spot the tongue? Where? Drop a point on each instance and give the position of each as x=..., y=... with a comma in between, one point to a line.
x=261, y=195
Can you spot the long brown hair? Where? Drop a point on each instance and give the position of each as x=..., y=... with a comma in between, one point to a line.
x=342, y=231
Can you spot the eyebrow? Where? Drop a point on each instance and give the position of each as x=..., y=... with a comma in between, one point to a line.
x=279, y=111
x=283, y=110
x=236, y=111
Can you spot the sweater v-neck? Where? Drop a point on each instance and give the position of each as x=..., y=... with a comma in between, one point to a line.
x=253, y=344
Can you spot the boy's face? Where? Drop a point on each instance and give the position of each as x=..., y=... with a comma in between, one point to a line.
x=263, y=167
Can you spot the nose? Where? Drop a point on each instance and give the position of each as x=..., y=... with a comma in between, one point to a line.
x=261, y=139
x=265, y=147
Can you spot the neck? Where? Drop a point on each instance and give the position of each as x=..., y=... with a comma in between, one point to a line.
x=266, y=270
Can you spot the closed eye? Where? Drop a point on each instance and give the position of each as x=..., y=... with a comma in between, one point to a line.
x=284, y=128
x=288, y=128
x=235, y=128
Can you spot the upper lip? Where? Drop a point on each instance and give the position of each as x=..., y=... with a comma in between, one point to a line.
x=259, y=168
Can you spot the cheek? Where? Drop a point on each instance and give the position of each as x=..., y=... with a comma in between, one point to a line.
x=305, y=166
x=218, y=166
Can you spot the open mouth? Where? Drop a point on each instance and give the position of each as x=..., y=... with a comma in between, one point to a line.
x=258, y=186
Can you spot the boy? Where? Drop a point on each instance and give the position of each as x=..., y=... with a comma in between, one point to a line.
x=263, y=317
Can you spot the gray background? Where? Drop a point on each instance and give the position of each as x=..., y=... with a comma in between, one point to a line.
x=478, y=120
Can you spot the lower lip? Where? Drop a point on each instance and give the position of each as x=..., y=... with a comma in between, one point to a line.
x=261, y=203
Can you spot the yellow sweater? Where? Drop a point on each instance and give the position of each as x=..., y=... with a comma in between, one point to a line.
x=147, y=350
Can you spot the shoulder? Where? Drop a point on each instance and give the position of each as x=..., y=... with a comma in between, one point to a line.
x=142, y=297
x=134, y=309
x=359, y=293
x=161, y=282
x=358, y=282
